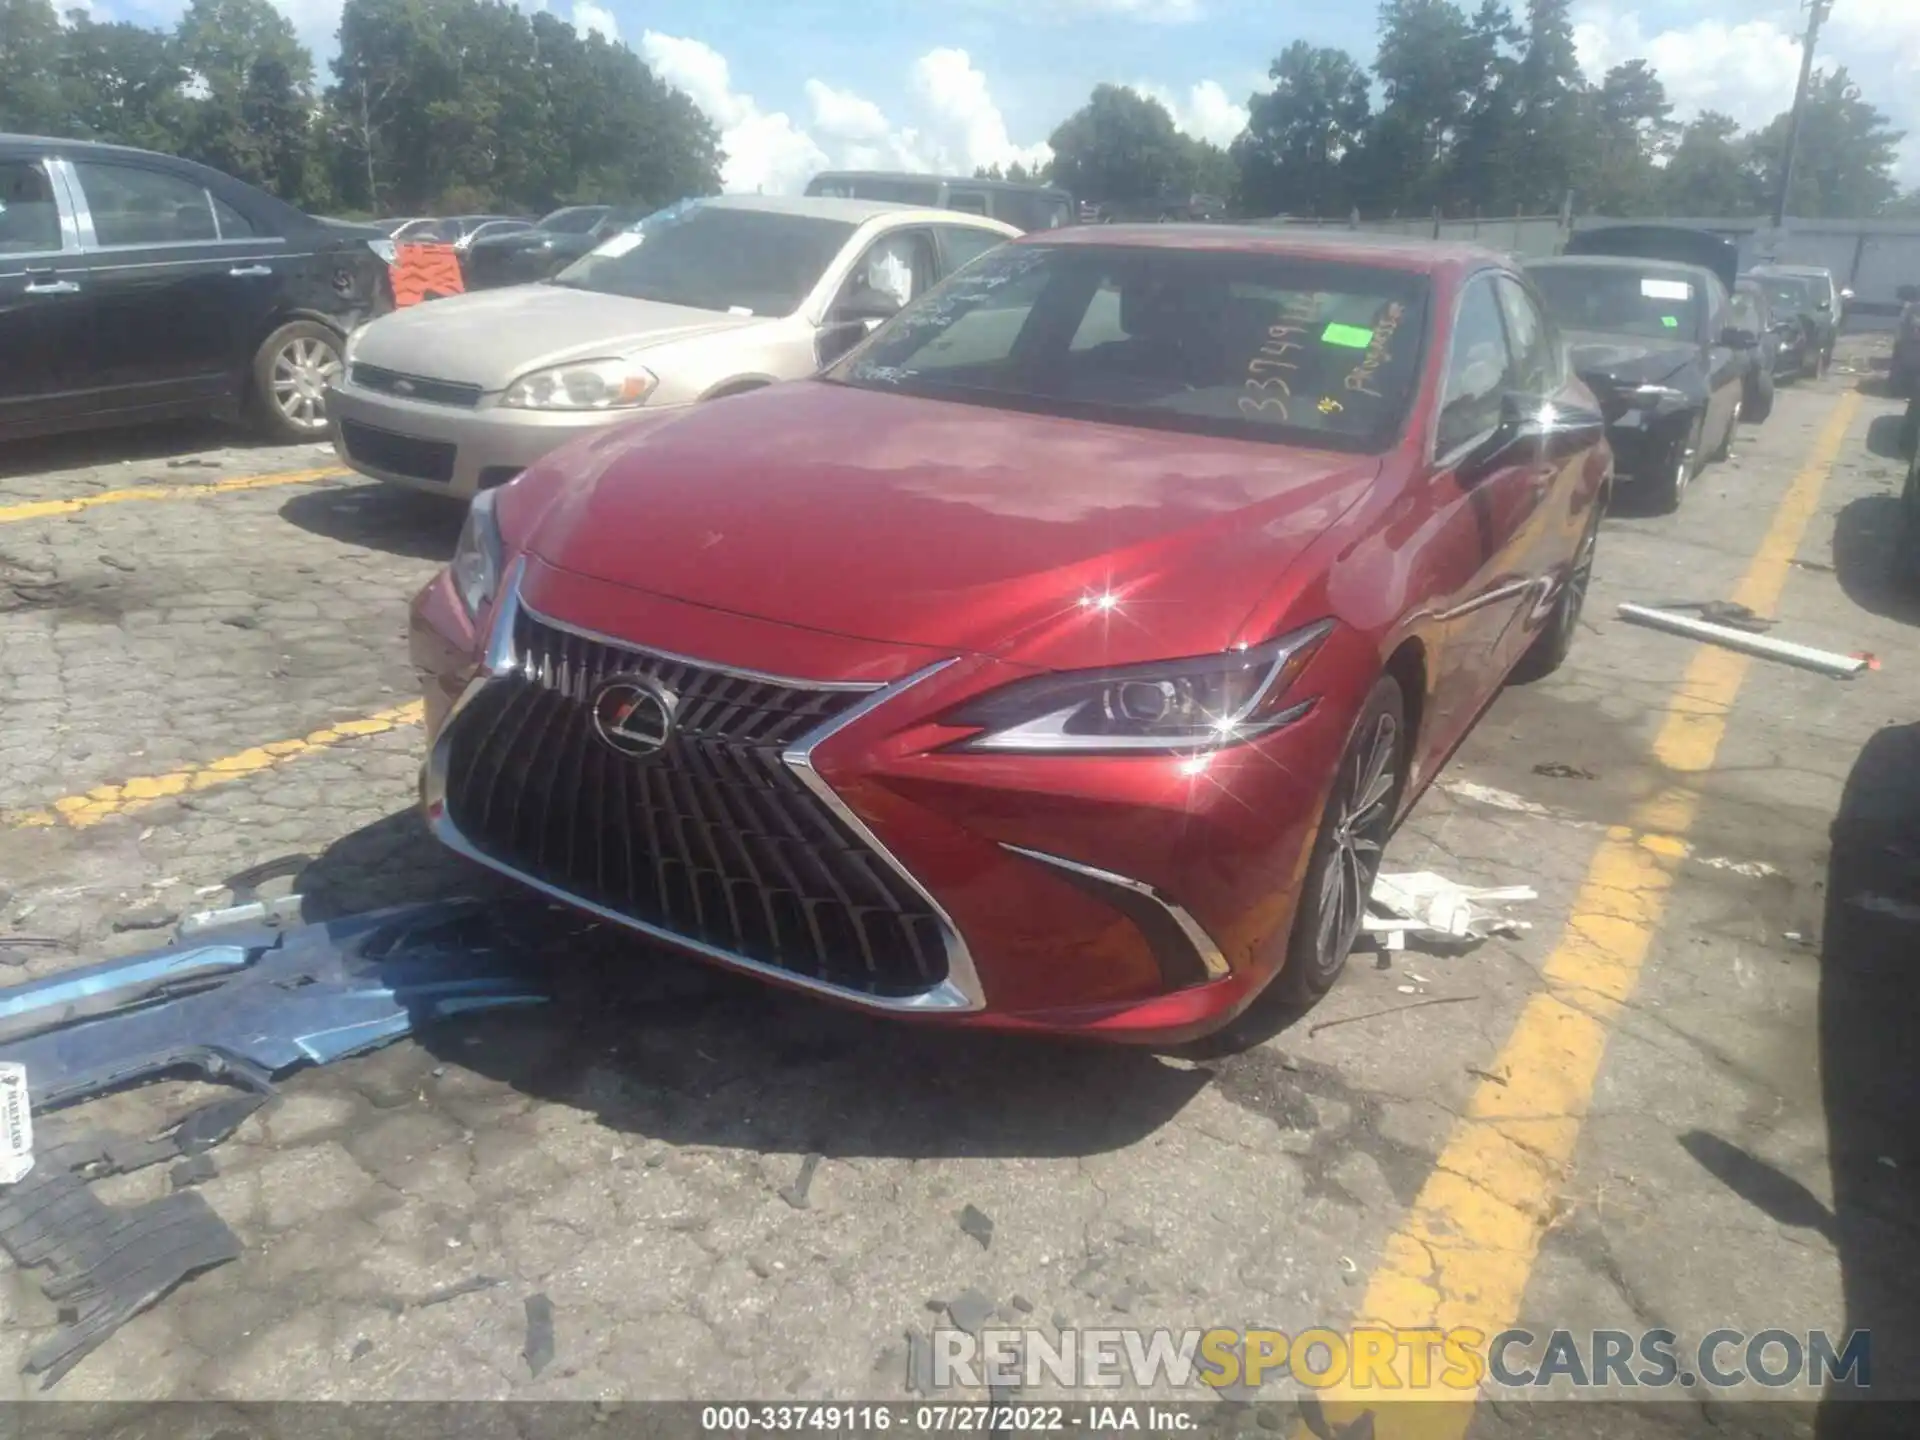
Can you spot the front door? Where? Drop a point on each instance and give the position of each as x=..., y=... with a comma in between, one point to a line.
x=1479, y=572
x=169, y=294
x=45, y=308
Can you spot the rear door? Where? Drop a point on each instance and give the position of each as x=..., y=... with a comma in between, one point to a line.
x=45, y=309
x=176, y=304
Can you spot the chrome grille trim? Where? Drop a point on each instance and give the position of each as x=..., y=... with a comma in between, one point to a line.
x=424, y=388
x=958, y=992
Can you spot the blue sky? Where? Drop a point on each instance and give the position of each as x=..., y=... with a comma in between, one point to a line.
x=799, y=84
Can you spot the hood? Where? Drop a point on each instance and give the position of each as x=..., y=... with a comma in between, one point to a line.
x=909, y=521
x=490, y=337
x=1626, y=359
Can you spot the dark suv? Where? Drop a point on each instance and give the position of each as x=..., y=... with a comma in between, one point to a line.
x=136, y=286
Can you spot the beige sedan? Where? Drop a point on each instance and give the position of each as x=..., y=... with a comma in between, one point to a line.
x=704, y=299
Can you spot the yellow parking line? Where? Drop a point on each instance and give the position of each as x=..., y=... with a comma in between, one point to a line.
x=42, y=509
x=80, y=811
x=1462, y=1255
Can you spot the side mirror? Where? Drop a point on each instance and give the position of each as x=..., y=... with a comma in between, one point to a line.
x=1535, y=427
x=1737, y=337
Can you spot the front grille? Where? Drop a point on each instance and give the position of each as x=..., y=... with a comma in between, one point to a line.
x=414, y=387
x=716, y=840
x=398, y=454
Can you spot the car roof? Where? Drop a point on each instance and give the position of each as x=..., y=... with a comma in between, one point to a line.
x=856, y=212
x=1362, y=247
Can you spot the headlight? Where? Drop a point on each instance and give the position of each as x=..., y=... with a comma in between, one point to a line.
x=583, y=385
x=475, y=567
x=1171, y=706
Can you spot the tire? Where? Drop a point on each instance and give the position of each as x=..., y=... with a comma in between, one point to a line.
x=1756, y=400
x=1551, y=646
x=290, y=371
x=1346, y=853
x=1666, y=487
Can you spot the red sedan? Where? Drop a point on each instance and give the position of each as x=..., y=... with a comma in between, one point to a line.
x=1060, y=659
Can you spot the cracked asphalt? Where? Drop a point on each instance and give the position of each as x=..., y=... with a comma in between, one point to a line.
x=729, y=1192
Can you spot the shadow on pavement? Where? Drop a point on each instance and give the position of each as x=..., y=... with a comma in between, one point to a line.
x=662, y=1045
x=83, y=448
x=380, y=517
x=1865, y=536
x=1869, y=1024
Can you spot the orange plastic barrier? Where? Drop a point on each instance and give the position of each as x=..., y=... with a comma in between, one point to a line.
x=425, y=272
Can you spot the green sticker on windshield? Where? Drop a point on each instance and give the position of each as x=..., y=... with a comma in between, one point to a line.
x=1351, y=336
x=1672, y=322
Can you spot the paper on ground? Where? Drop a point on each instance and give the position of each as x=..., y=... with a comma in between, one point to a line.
x=16, y=1124
x=1420, y=900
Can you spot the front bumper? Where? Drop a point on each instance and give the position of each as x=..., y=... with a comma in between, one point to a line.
x=1131, y=898
x=1647, y=444
x=447, y=449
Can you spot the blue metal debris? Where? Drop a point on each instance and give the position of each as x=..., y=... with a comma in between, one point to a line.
x=262, y=1001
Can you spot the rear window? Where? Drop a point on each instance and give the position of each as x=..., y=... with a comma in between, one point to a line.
x=1251, y=346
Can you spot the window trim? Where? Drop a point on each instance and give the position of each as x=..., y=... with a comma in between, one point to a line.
x=1452, y=458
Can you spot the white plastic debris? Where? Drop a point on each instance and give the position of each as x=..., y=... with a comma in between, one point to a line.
x=1421, y=902
x=16, y=1124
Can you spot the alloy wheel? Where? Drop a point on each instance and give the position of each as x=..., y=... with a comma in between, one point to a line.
x=301, y=373
x=1360, y=820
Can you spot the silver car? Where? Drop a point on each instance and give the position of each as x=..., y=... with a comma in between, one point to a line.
x=703, y=299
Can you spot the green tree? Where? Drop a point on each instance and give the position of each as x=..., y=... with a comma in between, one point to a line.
x=1121, y=147
x=30, y=99
x=1632, y=130
x=1845, y=166
x=1553, y=146
x=1301, y=136
x=1428, y=80
x=252, y=115
x=1481, y=173
x=1711, y=172
x=122, y=84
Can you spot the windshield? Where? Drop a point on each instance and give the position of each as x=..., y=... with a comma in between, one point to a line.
x=575, y=220
x=1258, y=347
x=714, y=257
x=1621, y=300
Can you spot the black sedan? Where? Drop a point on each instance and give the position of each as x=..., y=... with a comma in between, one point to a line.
x=548, y=248
x=1657, y=344
x=138, y=287
x=1797, y=329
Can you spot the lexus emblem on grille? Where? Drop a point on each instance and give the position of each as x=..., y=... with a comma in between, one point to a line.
x=634, y=716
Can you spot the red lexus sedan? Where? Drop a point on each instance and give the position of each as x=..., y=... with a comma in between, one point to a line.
x=1060, y=659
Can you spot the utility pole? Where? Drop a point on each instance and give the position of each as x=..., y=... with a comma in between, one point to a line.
x=1817, y=12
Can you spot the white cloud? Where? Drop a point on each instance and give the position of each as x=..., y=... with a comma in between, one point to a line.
x=1747, y=66
x=961, y=126
x=1207, y=112
x=765, y=151
x=592, y=19
x=965, y=126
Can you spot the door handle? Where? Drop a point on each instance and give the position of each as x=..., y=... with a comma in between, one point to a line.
x=52, y=287
x=249, y=272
